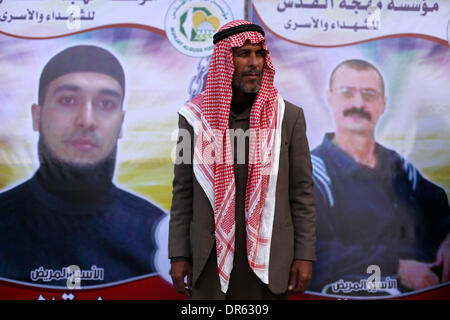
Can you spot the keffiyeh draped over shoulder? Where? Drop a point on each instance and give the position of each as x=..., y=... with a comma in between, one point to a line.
x=209, y=114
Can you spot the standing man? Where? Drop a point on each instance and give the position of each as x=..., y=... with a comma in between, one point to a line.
x=242, y=219
x=373, y=206
x=70, y=212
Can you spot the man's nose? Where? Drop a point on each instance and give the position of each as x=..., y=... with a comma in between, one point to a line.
x=86, y=118
x=253, y=60
x=358, y=99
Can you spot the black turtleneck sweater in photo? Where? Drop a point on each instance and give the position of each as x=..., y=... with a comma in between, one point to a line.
x=63, y=216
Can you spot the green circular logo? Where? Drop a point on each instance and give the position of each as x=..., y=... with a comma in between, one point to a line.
x=191, y=24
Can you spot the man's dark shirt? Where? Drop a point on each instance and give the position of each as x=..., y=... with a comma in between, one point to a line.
x=40, y=230
x=372, y=216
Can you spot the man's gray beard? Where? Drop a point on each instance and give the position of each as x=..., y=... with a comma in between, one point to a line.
x=239, y=84
x=243, y=88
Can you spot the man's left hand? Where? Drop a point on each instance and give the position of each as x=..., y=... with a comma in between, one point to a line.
x=301, y=272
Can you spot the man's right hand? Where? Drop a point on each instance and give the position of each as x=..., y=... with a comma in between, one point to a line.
x=416, y=275
x=178, y=271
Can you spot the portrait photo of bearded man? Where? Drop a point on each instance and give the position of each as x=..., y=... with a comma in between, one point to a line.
x=70, y=212
x=242, y=223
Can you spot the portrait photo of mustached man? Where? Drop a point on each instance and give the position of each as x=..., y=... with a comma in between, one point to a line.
x=374, y=207
x=70, y=212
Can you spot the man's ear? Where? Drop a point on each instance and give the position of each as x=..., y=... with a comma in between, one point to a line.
x=36, y=115
x=328, y=94
x=121, y=125
x=384, y=103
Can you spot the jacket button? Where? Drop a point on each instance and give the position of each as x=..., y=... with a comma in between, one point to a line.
x=213, y=234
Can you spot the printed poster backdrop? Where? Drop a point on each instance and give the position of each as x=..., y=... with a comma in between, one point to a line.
x=163, y=47
x=380, y=231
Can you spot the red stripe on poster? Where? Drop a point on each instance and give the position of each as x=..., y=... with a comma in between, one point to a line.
x=151, y=288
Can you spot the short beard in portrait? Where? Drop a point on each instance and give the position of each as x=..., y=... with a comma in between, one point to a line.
x=81, y=183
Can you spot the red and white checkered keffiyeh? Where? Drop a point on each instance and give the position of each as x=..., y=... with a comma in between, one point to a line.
x=213, y=161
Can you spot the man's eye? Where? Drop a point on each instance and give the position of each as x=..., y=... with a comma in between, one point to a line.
x=370, y=95
x=346, y=92
x=107, y=104
x=261, y=53
x=67, y=101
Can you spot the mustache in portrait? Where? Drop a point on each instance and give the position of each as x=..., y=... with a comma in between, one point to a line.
x=251, y=71
x=357, y=111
